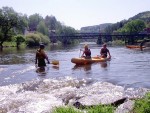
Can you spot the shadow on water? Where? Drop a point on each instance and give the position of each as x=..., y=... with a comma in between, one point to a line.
x=55, y=67
x=82, y=67
x=103, y=64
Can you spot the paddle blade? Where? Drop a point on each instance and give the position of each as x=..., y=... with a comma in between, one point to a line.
x=55, y=62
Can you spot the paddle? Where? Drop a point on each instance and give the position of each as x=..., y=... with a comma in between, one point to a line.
x=54, y=62
x=79, y=53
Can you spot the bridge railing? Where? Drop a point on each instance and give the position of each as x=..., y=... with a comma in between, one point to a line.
x=83, y=35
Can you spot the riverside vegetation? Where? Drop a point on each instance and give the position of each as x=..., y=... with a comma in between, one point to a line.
x=39, y=29
x=141, y=105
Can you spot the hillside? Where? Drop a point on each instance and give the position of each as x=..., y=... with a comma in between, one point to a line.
x=94, y=28
x=145, y=16
x=109, y=28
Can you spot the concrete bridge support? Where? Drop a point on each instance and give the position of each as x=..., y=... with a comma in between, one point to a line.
x=99, y=40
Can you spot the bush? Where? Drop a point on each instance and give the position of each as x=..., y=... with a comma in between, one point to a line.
x=18, y=39
x=142, y=105
x=118, y=42
x=34, y=39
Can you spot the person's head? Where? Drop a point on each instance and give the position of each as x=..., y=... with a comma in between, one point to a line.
x=85, y=46
x=104, y=45
x=42, y=46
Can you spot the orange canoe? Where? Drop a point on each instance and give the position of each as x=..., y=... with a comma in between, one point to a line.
x=83, y=61
x=134, y=46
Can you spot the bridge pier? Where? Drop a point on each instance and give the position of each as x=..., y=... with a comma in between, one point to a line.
x=99, y=40
x=142, y=43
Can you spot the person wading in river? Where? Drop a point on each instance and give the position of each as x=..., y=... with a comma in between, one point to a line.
x=104, y=51
x=86, y=53
x=40, y=58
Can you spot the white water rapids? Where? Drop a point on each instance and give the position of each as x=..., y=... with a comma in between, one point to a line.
x=42, y=96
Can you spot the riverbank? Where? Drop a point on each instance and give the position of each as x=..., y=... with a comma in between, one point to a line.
x=136, y=104
x=47, y=94
x=130, y=106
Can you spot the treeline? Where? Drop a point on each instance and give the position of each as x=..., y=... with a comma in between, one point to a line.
x=134, y=24
x=95, y=28
x=32, y=30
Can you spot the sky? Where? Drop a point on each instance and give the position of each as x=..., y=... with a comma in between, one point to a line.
x=80, y=13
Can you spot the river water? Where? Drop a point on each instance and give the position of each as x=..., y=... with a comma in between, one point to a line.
x=24, y=90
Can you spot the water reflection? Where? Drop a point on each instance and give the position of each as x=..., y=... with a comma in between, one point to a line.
x=42, y=71
x=55, y=67
x=127, y=71
x=88, y=67
x=82, y=67
x=103, y=64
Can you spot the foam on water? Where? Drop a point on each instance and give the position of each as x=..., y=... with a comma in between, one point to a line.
x=44, y=95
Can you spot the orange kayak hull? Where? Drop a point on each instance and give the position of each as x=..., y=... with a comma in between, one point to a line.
x=134, y=46
x=83, y=61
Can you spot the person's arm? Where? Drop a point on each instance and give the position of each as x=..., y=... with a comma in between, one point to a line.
x=46, y=57
x=101, y=54
x=109, y=54
x=36, y=58
x=83, y=54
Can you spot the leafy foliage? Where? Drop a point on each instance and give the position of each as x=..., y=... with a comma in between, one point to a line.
x=42, y=28
x=34, y=39
x=9, y=22
x=34, y=20
x=51, y=22
x=65, y=30
x=65, y=110
x=18, y=39
x=142, y=105
x=94, y=109
x=134, y=26
x=95, y=28
x=13, y=23
x=101, y=109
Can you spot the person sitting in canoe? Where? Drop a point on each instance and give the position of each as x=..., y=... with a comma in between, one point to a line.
x=104, y=51
x=40, y=58
x=86, y=53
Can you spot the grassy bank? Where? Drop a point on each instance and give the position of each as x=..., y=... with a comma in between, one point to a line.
x=141, y=106
x=94, y=109
x=13, y=44
x=9, y=44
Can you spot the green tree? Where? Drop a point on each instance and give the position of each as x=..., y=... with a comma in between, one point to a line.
x=23, y=25
x=34, y=21
x=42, y=28
x=51, y=22
x=18, y=39
x=9, y=21
x=134, y=26
x=34, y=39
x=66, y=30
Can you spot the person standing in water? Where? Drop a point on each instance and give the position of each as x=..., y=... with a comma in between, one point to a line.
x=104, y=51
x=86, y=53
x=40, y=58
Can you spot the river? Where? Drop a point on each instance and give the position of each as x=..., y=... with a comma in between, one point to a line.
x=128, y=68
